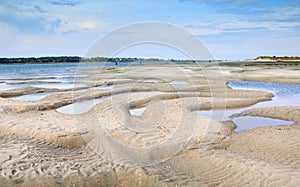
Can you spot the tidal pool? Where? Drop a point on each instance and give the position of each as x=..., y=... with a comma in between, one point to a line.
x=178, y=82
x=284, y=95
x=33, y=97
x=81, y=107
x=137, y=111
x=105, y=86
x=247, y=122
x=84, y=106
x=4, y=86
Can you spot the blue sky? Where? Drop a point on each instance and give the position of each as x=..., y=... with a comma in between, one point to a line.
x=231, y=29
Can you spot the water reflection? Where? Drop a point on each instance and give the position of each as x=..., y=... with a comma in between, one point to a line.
x=284, y=95
x=247, y=122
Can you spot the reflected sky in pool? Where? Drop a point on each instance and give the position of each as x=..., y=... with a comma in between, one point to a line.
x=137, y=111
x=33, y=97
x=247, y=122
x=284, y=95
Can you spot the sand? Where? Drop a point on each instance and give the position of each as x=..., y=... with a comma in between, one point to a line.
x=168, y=145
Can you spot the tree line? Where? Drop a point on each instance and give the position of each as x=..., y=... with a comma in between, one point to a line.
x=41, y=59
x=278, y=57
x=73, y=59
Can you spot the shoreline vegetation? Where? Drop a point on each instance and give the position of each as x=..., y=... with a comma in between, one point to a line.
x=77, y=59
x=275, y=58
x=73, y=59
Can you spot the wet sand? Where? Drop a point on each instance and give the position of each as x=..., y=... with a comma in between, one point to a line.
x=167, y=145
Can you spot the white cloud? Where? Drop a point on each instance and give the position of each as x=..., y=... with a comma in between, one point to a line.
x=240, y=26
x=88, y=25
x=270, y=25
x=50, y=18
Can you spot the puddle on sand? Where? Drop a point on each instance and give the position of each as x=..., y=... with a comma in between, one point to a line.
x=84, y=106
x=150, y=80
x=81, y=107
x=57, y=86
x=4, y=86
x=178, y=82
x=33, y=97
x=105, y=86
x=219, y=115
x=137, y=111
x=284, y=95
x=249, y=122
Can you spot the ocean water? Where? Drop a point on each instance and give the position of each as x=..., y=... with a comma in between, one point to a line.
x=59, y=70
x=59, y=75
x=35, y=70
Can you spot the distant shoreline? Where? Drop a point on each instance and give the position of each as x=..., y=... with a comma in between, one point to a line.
x=78, y=59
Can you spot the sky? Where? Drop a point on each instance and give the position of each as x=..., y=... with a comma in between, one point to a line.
x=230, y=29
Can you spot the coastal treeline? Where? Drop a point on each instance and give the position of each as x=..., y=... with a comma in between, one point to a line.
x=75, y=59
x=278, y=58
x=29, y=60
x=72, y=59
x=119, y=59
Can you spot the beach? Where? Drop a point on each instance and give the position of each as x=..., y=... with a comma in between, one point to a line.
x=54, y=141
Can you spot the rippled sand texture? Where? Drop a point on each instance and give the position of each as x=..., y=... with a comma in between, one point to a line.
x=167, y=145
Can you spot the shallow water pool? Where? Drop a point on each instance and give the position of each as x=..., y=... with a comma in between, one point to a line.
x=248, y=122
x=284, y=95
x=137, y=111
x=33, y=97
x=84, y=106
